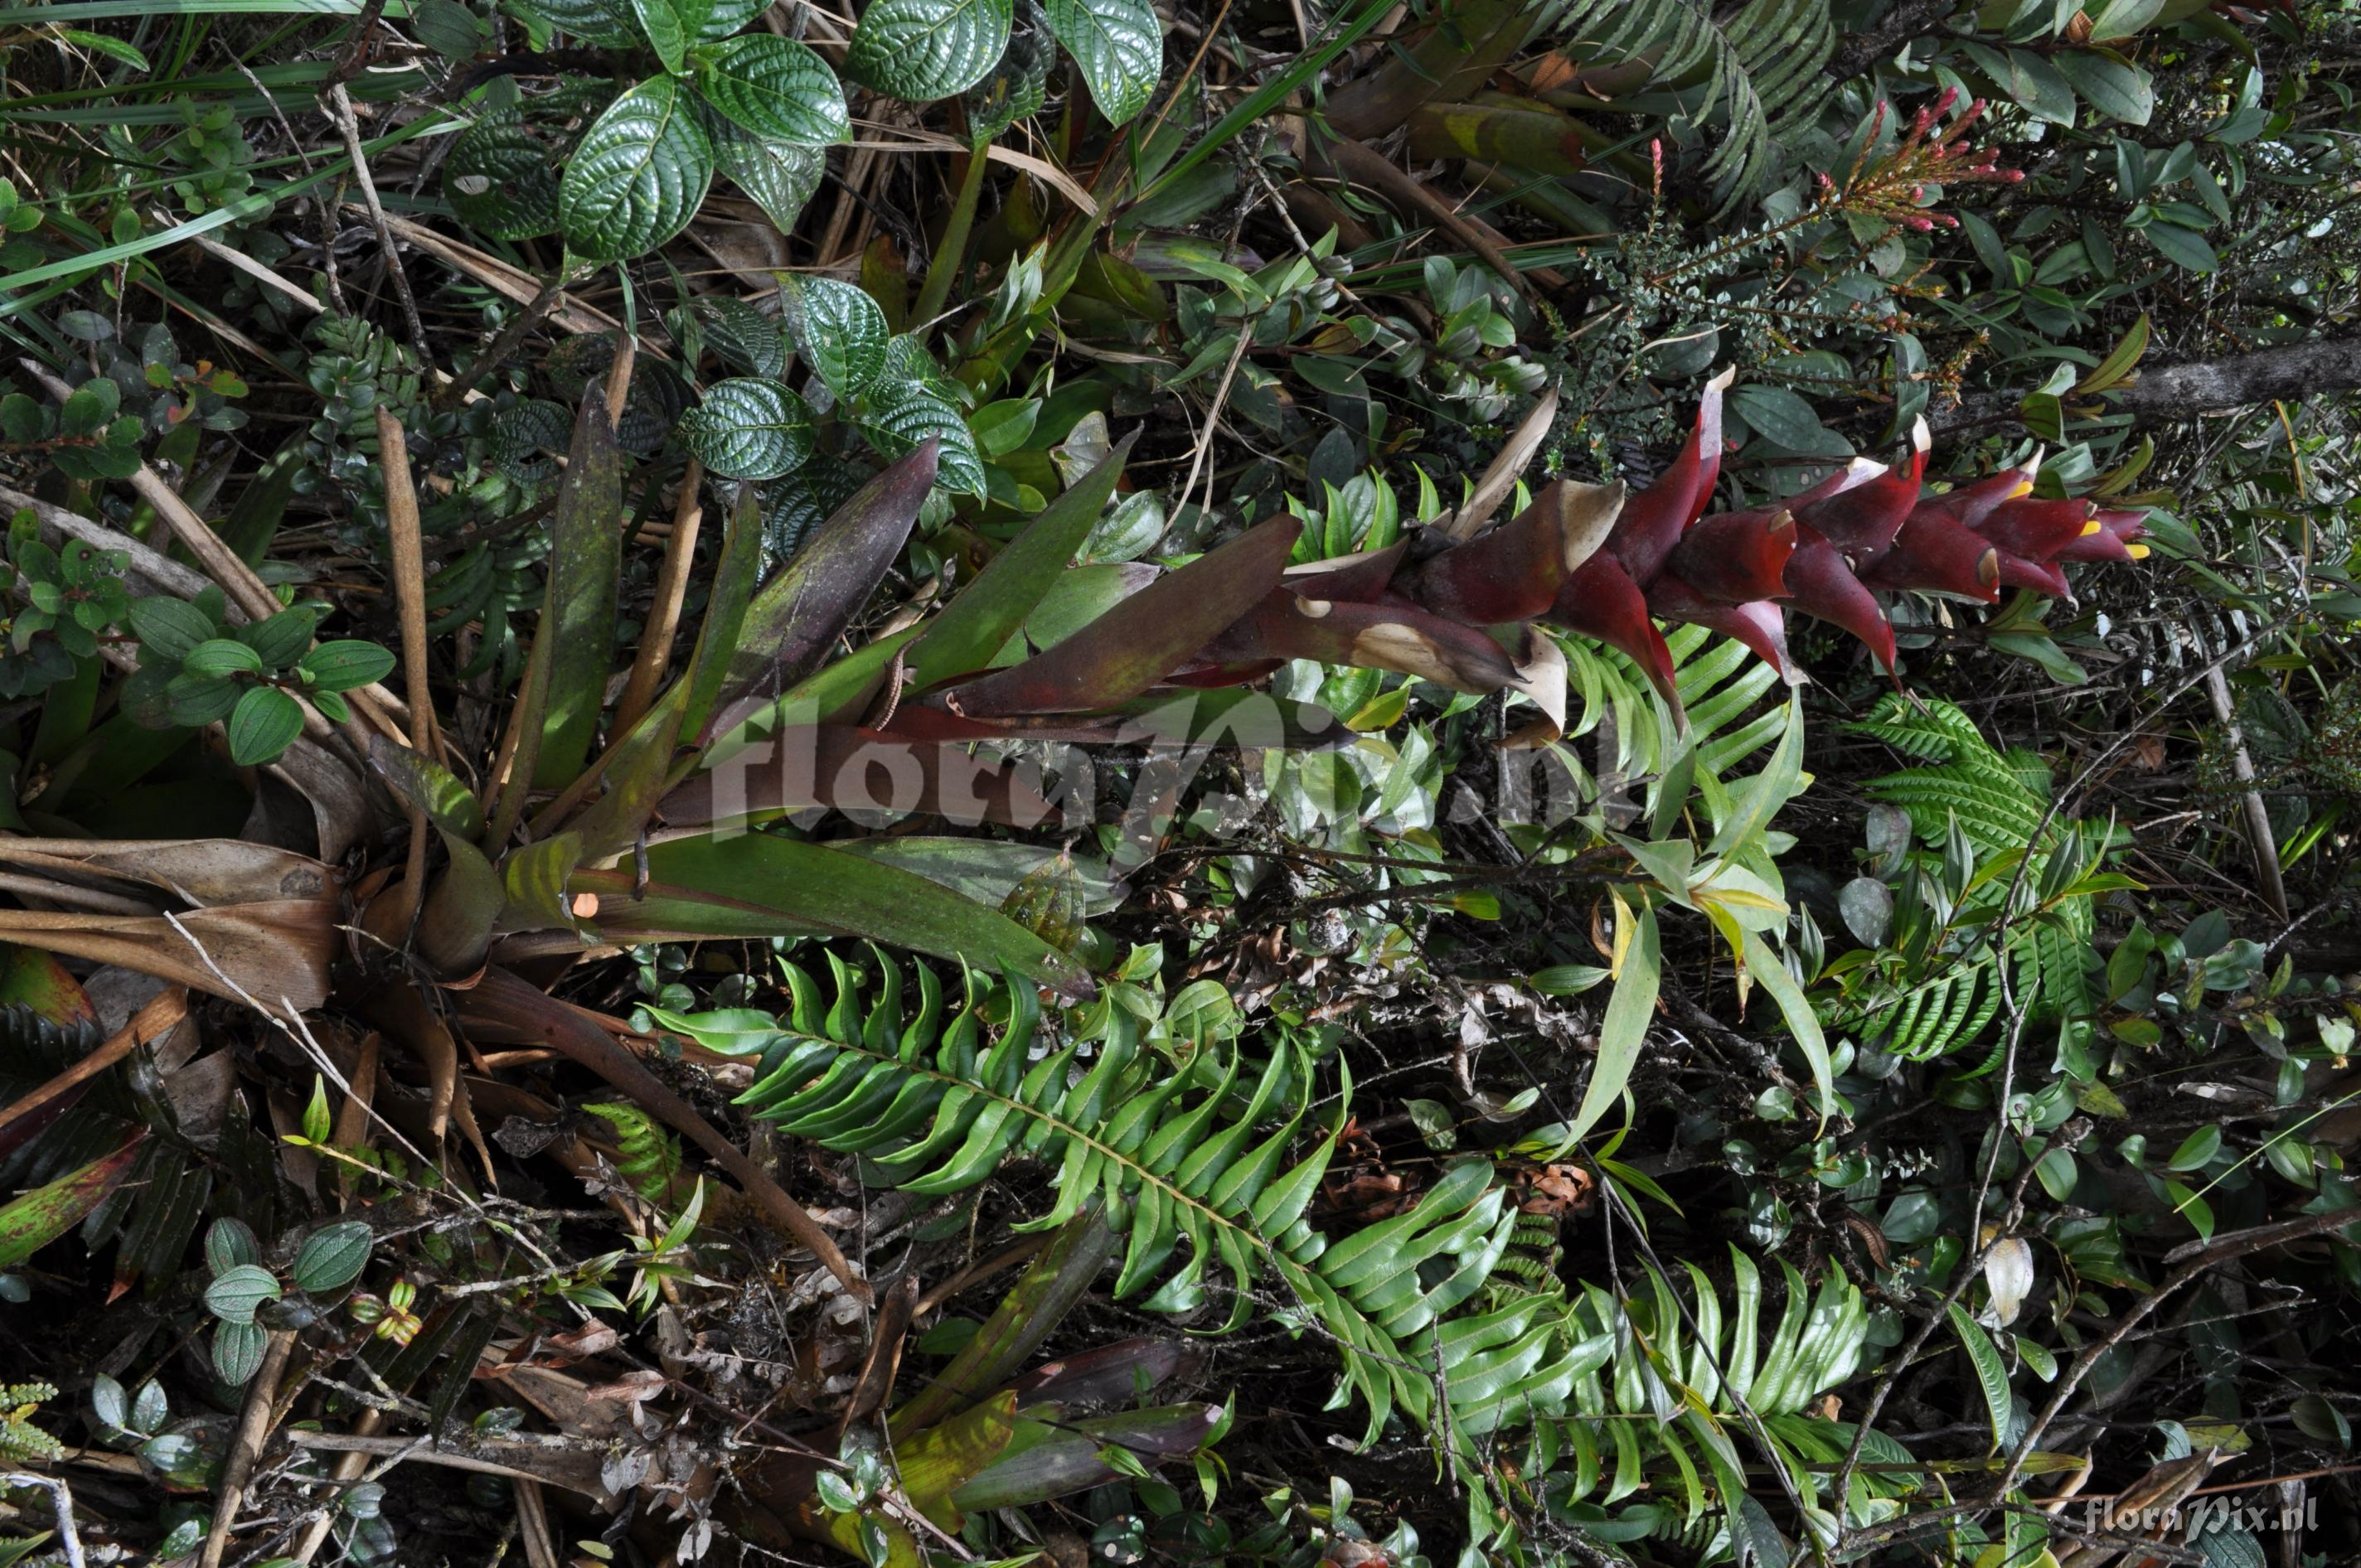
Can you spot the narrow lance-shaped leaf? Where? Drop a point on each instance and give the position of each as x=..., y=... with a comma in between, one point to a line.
x=1991, y=1376
x=798, y=613
x=1625, y=1028
x=33, y=1221
x=983, y=616
x=1152, y=633
x=573, y=644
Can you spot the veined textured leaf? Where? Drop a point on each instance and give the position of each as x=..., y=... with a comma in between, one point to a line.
x=748, y=428
x=1991, y=1376
x=668, y=25
x=725, y=18
x=839, y=330
x=775, y=88
x=1013, y=89
x=637, y=176
x=902, y=416
x=776, y=176
x=748, y=341
x=925, y=49
x=801, y=502
x=592, y=21
x=501, y=179
x=1119, y=44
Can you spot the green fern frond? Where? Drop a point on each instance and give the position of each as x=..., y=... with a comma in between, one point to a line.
x=22, y=1442
x=649, y=1156
x=1763, y=67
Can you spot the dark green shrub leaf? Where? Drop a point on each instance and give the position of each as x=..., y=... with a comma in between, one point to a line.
x=637, y=176
x=1119, y=44
x=280, y=640
x=341, y=666
x=170, y=627
x=902, y=414
x=332, y=1257
x=2110, y=84
x=592, y=21
x=775, y=88
x=776, y=176
x=750, y=428
x=501, y=179
x=667, y=29
x=265, y=722
x=230, y=1243
x=238, y=1351
x=192, y=700
x=2185, y=248
x=840, y=331
x=925, y=49
x=222, y=656
x=235, y=1293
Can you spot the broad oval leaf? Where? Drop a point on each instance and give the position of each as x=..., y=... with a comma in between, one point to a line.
x=750, y=428
x=925, y=49
x=501, y=179
x=902, y=416
x=332, y=1257
x=235, y=1294
x=775, y=88
x=265, y=722
x=637, y=176
x=238, y=1351
x=229, y=1243
x=776, y=176
x=839, y=330
x=726, y=16
x=1119, y=44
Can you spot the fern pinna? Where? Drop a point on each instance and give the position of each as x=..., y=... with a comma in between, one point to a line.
x=1204, y=1155
x=1981, y=814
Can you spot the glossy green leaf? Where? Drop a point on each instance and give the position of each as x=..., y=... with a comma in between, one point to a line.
x=925, y=49
x=775, y=88
x=899, y=415
x=2184, y=248
x=838, y=330
x=776, y=176
x=1119, y=44
x=637, y=176
x=1992, y=1377
x=501, y=179
x=749, y=428
x=669, y=25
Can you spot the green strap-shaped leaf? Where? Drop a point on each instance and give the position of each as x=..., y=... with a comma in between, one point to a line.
x=1119, y=44
x=637, y=176
x=749, y=428
x=776, y=88
x=574, y=644
x=925, y=49
x=1625, y=1027
x=989, y=611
